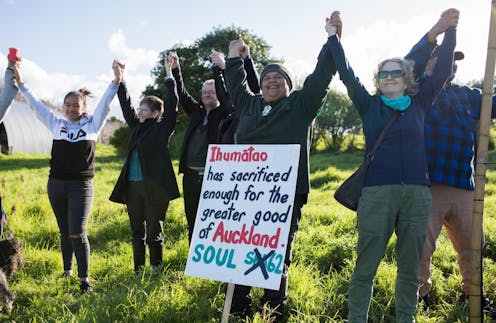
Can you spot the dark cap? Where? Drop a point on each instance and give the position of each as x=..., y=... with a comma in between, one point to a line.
x=458, y=56
x=275, y=67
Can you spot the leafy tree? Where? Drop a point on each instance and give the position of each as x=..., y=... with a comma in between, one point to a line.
x=195, y=59
x=120, y=139
x=336, y=119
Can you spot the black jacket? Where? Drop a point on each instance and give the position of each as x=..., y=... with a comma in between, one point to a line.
x=196, y=112
x=227, y=127
x=151, y=138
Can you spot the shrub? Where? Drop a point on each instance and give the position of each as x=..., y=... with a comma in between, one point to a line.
x=120, y=140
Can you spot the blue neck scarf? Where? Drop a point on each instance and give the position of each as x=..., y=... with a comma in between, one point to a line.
x=401, y=104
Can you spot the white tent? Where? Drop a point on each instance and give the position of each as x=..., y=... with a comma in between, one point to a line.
x=22, y=132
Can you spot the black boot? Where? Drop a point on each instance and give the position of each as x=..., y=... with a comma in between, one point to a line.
x=138, y=255
x=241, y=301
x=156, y=250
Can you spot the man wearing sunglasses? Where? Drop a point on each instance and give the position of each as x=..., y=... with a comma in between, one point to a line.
x=449, y=141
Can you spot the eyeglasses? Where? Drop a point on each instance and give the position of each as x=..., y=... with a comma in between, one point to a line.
x=393, y=74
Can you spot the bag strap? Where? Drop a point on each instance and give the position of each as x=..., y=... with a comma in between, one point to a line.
x=370, y=155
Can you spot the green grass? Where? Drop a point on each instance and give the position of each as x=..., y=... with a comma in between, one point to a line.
x=324, y=255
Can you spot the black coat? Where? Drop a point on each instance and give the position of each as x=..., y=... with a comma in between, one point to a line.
x=151, y=139
x=228, y=126
x=196, y=113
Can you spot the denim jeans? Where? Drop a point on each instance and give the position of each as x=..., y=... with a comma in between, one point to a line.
x=71, y=202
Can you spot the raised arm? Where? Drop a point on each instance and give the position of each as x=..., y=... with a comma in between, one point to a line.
x=188, y=103
x=251, y=73
x=9, y=89
x=42, y=111
x=103, y=108
x=218, y=65
x=125, y=100
x=444, y=65
x=170, y=104
x=316, y=84
x=236, y=75
x=356, y=91
x=421, y=51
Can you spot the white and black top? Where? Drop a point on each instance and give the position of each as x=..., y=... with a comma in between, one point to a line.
x=73, y=148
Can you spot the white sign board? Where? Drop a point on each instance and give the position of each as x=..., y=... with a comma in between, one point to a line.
x=244, y=214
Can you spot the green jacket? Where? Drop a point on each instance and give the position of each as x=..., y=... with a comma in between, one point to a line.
x=290, y=118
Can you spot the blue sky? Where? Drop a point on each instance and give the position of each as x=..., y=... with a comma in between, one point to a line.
x=69, y=44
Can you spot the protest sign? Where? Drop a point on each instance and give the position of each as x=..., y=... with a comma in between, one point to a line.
x=244, y=214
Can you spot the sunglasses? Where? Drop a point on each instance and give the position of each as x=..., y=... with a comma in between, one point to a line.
x=393, y=74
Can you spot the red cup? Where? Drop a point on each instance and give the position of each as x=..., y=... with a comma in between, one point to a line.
x=14, y=54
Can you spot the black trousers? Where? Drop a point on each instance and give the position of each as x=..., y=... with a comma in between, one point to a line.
x=146, y=222
x=274, y=298
x=192, y=184
x=71, y=202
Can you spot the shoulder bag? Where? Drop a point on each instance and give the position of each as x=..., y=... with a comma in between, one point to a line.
x=348, y=193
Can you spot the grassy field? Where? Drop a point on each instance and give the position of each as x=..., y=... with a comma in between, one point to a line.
x=323, y=257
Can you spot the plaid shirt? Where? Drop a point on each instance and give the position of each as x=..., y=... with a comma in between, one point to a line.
x=449, y=135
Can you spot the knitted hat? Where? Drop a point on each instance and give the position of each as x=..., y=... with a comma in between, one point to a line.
x=275, y=67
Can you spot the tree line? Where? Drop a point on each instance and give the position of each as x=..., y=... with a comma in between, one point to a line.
x=336, y=127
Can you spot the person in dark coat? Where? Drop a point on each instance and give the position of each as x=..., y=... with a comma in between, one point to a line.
x=204, y=117
x=147, y=182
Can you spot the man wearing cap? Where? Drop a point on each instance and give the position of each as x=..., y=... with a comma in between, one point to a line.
x=449, y=141
x=278, y=116
x=10, y=89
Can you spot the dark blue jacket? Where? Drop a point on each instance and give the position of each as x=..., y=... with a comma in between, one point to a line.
x=400, y=158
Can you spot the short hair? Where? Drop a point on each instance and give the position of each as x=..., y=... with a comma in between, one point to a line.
x=209, y=81
x=154, y=103
x=407, y=68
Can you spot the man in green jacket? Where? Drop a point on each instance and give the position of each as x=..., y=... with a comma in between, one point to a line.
x=278, y=116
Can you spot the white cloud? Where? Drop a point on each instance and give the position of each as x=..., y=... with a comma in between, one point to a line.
x=183, y=43
x=139, y=62
x=47, y=86
x=135, y=58
x=53, y=86
x=366, y=46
